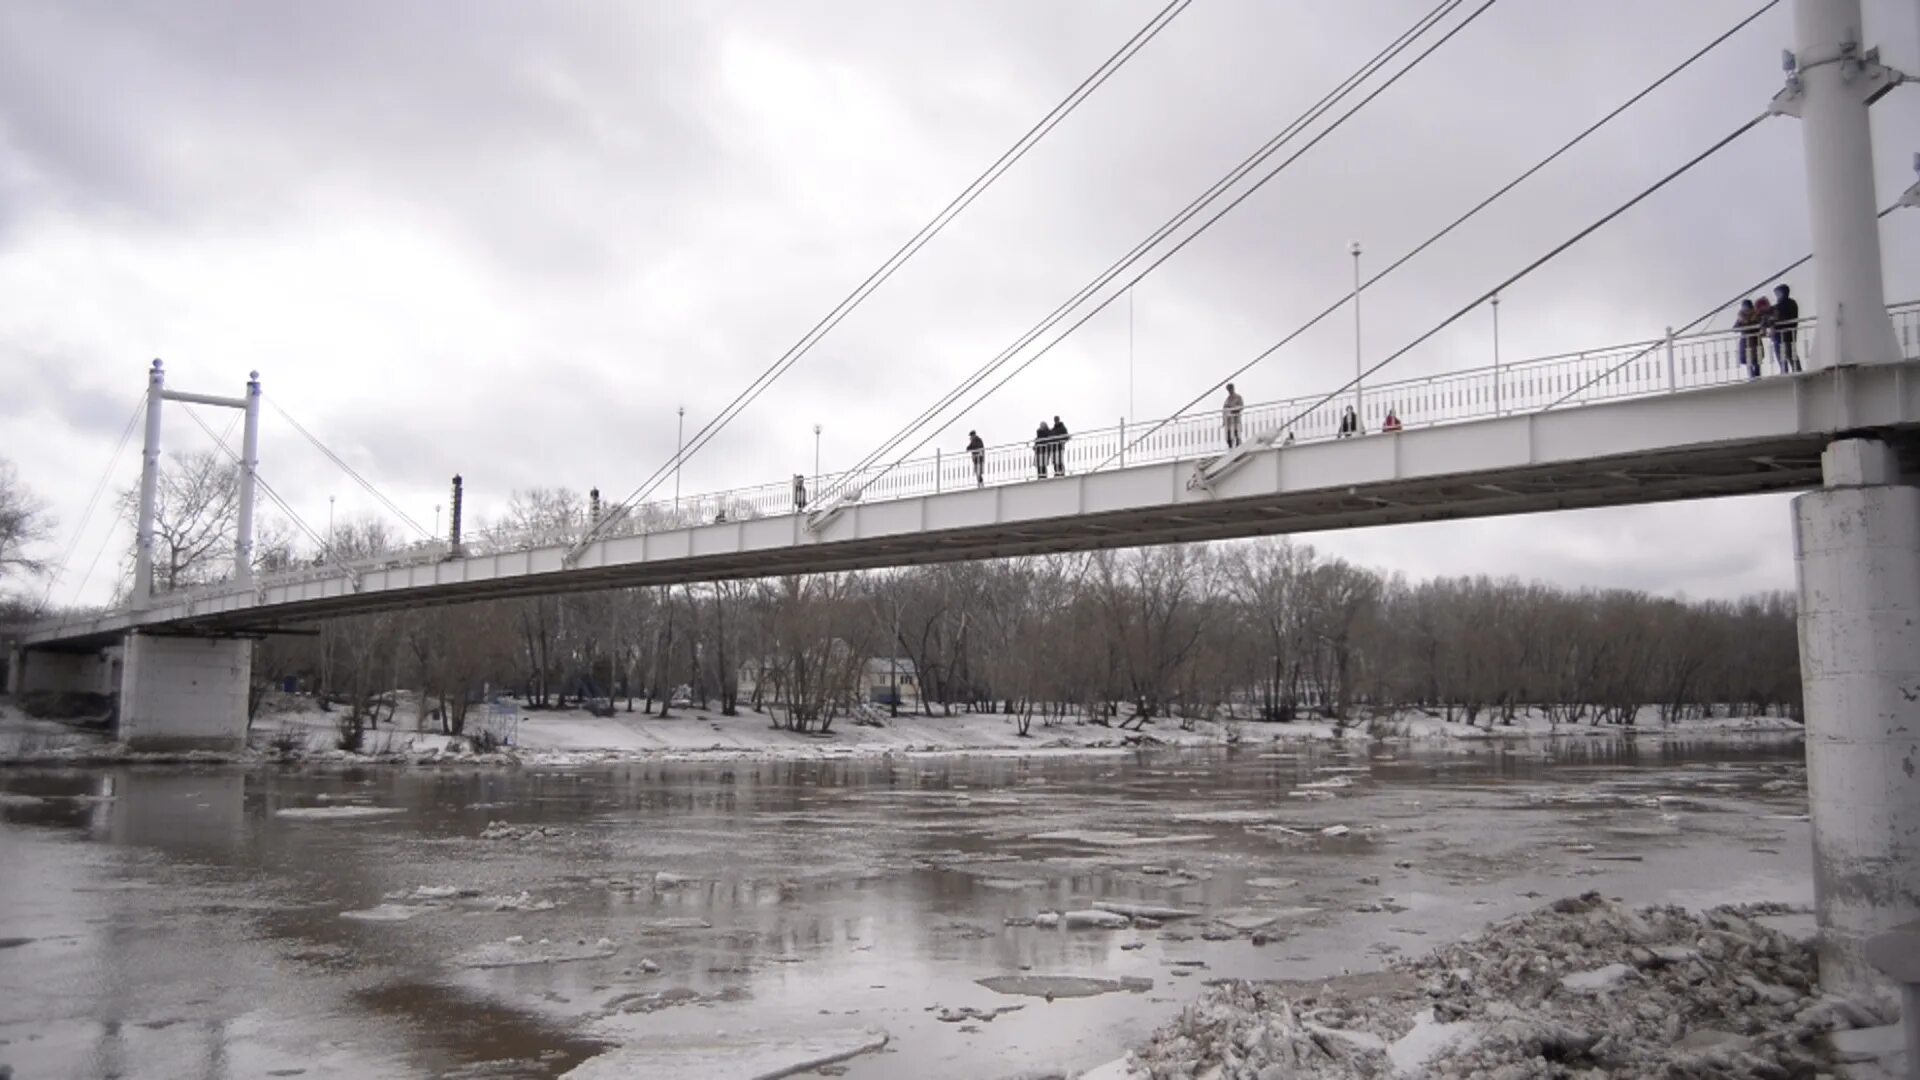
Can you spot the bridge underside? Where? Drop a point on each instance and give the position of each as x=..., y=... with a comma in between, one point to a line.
x=1747, y=469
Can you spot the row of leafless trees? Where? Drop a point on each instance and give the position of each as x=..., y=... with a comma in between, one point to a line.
x=1265, y=629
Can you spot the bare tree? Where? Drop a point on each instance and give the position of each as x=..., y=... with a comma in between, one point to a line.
x=196, y=514
x=23, y=523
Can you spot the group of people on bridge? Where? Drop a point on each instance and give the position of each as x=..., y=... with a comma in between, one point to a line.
x=1760, y=321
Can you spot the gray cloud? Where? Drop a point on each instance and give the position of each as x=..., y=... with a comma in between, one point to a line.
x=508, y=240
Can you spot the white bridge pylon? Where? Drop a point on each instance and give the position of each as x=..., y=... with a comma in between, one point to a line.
x=157, y=396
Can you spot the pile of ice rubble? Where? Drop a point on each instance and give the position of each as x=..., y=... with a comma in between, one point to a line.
x=1583, y=988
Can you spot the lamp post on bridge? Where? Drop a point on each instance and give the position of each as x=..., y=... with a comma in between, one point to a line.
x=816, y=459
x=680, y=447
x=1354, y=247
x=1496, y=354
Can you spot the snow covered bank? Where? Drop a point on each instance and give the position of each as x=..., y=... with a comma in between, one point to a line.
x=294, y=729
x=1583, y=987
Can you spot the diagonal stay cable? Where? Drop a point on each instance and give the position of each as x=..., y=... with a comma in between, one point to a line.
x=1280, y=139
x=1483, y=297
x=324, y=544
x=1462, y=219
x=1151, y=267
x=1688, y=328
x=93, y=501
x=878, y=277
x=348, y=469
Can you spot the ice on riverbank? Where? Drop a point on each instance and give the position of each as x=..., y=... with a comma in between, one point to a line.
x=1600, y=989
x=292, y=727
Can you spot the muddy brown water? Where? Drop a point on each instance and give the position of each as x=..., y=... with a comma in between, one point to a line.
x=172, y=922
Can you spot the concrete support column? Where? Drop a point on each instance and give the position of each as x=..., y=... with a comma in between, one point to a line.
x=184, y=693
x=1857, y=551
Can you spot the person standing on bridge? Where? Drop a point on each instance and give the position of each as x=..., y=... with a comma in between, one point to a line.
x=1786, y=330
x=799, y=492
x=977, y=450
x=1230, y=416
x=1748, y=324
x=1392, y=423
x=1059, y=433
x=1349, y=424
x=1042, y=448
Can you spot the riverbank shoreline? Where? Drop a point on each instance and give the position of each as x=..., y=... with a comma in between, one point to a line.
x=296, y=732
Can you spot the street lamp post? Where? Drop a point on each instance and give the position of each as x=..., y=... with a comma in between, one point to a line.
x=1354, y=247
x=816, y=458
x=329, y=521
x=1496, y=354
x=680, y=446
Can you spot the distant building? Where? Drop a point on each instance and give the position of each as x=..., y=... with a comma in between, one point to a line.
x=891, y=681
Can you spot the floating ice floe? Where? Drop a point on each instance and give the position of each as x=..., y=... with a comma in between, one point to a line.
x=390, y=912
x=517, y=951
x=337, y=813
x=730, y=1055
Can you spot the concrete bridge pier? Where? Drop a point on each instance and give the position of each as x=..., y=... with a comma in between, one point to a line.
x=184, y=693
x=1857, y=551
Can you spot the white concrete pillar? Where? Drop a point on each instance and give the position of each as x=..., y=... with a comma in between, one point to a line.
x=184, y=693
x=249, y=470
x=1857, y=551
x=1834, y=81
x=149, y=490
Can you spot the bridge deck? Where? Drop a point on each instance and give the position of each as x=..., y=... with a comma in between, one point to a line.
x=1737, y=439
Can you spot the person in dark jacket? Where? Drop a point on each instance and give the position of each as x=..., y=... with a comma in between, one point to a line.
x=1786, y=330
x=1349, y=424
x=1059, y=433
x=977, y=450
x=1042, y=448
x=1748, y=324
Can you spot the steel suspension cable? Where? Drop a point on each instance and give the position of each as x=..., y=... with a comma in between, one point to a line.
x=1151, y=267
x=1167, y=228
x=325, y=545
x=906, y=251
x=1481, y=299
x=1463, y=218
x=93, y=500
x=348, y=469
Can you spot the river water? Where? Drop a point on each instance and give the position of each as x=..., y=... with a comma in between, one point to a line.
x=178, y=922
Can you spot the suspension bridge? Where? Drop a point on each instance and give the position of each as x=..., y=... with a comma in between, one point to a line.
x=1676, y=417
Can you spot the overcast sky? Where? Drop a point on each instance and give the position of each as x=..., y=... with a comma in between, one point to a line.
x=508, y=239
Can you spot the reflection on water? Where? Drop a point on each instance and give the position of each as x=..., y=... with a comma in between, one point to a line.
x=176, y=924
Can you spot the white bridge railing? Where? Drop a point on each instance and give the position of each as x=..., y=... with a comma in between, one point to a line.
x=1635, y=369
